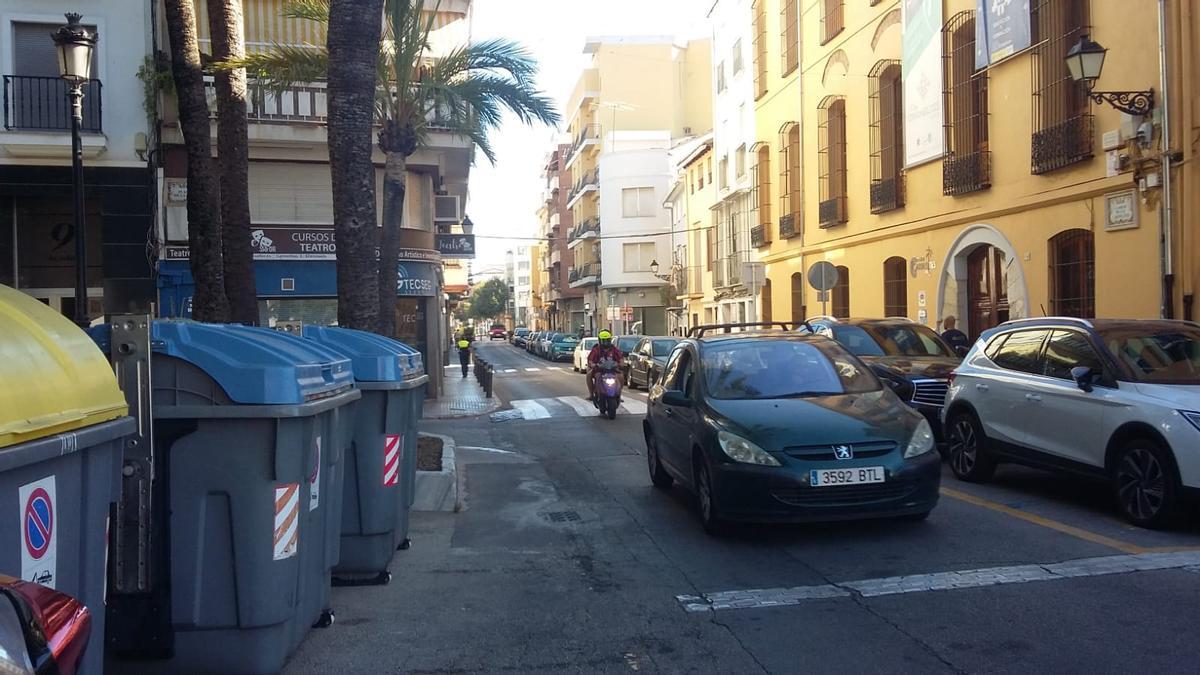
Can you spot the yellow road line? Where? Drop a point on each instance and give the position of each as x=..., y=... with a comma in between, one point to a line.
x=1078, y=533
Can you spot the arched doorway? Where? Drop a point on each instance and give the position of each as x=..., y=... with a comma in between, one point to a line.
x=987, y=289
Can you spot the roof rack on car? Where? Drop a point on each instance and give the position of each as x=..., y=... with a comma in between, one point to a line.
x=699, y=331
x=1039, y=319
x=899, y=318
x=824, y=317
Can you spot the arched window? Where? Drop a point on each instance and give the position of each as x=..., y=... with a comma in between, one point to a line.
x=895, y=287
x=841, y=293
x=799, y=313
x=887, y=137
x=967, y=164
x=760, y=233
x=1073, y=274
x=831, y=160
x=789, y=181
x=766, y=300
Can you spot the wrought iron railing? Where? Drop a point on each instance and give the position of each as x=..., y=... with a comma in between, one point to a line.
x=41, y=104
x=590, y=179
x=583, y=273
x=589, y=132
x=963, y=174
x=832, y=212
x=788, y=227
x=887, y=194
x=1062, y=144
x=760, y=235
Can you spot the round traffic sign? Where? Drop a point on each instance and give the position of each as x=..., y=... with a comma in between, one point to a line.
x=39, y=523
x=822, y=276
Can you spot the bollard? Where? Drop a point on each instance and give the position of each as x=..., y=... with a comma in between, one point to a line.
x=488, y=388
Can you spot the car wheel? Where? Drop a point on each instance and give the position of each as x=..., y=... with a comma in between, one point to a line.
x=658, y=474
x=705, y=501
x=1145, y=483
x=969, y=460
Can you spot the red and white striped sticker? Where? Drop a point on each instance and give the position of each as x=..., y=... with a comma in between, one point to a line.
x=287, y=520
x=391, y=460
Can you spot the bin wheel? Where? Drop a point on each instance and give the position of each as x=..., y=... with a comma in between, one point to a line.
x=385, y=578
x=404, y=545
x=326, y=619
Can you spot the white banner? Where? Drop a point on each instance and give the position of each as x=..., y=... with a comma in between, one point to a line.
x=921, y=69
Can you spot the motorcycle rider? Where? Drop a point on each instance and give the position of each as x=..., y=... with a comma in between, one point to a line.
x=604, y=349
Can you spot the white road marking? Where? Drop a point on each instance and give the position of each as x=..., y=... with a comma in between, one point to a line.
x=531, y=409
x=531, y=370
x=581, y=406
x=941, y=581
x=633, y=406
x=509, y=370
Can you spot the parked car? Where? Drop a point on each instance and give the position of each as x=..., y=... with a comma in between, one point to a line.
x=41, y=630
x=582, y=349
x=497, y=332
x=545, y=342
x=647, y=359
x=519, y=335
x=910, y=358
x=626, y=344
x=781, y=426
x=531, y=340
x=563, y=347
x=1117, y=400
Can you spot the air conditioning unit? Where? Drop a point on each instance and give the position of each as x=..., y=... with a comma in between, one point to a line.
x=446, y=209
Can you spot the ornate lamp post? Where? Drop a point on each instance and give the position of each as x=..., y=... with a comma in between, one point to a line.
x=1085, y=61
x=75, y=44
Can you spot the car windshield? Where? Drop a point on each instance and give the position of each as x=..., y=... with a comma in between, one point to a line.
x=627, y=344
x=906, y=340
x=522, y=331
x=762, y=369
x=561, y=338
x=1159, y=355
x=857, y=340
x=588, y=343
x=663, y=347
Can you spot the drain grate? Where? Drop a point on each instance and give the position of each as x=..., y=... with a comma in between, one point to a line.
x=507, y=416
x=562, y=516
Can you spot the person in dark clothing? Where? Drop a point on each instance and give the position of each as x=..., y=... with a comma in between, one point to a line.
x=954, y=337
x=464, y=354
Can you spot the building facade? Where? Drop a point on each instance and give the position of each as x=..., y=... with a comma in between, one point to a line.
x=37, y=230
x=692, y=198
x=563, y=306
x=628, y=108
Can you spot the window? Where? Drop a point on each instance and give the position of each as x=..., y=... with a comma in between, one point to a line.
x=895, y=287
x=831, y=160
x=523, y=281
x=638, y=256
x=740, y=160
x=765, y=301
x=720, y=77
x=762, y=184
x=1067, y=349
x=840, y=295
x=760, y=369
x=738, y=63
x=523, y=264
x=700, y=177
x=789, y=33
x=799, y=312
x=1073, y=274
x=711, y=235
x=723, y=168
x=832, y=21
x=709, y=170
x=1020, y=351
x=637, y=202
x=760, y=49
x=1157, y=355
x=887, y=137
x=1062, y=120
x=35, y=95
x=967, y=164
x=789, y=181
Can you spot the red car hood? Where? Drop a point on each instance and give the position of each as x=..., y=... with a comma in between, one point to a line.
x=57, y=626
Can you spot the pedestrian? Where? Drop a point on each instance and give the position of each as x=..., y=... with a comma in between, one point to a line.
x=582, y=332
x=954, y=337
x=464, y=354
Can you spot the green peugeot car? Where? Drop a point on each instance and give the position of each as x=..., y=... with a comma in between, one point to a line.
x=778, y=426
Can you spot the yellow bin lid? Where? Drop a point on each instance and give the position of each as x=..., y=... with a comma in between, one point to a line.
x=53, y=377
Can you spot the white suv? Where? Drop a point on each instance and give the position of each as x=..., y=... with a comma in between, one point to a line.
x=1113, y=399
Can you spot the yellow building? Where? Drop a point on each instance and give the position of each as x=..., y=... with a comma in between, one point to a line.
x=938, y=185
x=537, y=277
x=693, y=197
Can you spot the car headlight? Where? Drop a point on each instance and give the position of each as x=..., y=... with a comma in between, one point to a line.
x=921, y=441
x=741, y=450
x=1191, y=416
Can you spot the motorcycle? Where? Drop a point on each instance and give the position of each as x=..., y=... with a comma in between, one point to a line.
x=608, y=388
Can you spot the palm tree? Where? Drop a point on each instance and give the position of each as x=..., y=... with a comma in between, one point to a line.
x=204, y=223
x=465, y=92
x=233, y=157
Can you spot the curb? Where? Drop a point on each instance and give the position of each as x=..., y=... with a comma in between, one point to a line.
x=438, y=490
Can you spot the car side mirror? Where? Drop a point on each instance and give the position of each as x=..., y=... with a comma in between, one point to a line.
x=676, y=398
x=1083, y=377
x=961, y=351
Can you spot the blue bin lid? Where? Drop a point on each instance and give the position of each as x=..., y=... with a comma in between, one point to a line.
x=255, y=366
x=375, y=358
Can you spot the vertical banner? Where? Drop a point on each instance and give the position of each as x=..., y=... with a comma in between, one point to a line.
x=921, y=69
x=1002, y=28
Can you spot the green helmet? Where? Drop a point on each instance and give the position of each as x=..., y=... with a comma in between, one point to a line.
x=605, y=338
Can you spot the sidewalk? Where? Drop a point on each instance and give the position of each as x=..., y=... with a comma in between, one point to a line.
x=461, y=397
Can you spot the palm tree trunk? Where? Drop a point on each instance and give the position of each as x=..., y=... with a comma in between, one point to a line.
x=354, y=33
x=233, y=156
x=204, y=221
x=395, y=184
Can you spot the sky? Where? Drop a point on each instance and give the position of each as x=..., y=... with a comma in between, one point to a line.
x=504, y=198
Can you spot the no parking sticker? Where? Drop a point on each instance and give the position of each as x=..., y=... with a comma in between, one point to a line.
x=39, y=532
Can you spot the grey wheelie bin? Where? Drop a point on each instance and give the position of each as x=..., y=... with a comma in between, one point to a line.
x=250, y=427
x=62, y=426
x=377, y=491
x=416, y=402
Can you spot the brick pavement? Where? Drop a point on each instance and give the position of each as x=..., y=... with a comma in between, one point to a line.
x=461, y=397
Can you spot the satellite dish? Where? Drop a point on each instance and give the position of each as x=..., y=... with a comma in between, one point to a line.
x=823, y=276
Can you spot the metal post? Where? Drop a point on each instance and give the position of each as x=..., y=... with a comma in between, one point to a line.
x=81, y=297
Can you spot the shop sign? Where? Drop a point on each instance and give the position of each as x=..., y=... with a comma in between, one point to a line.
x=924, y=264
x=416, y=279
x=289, y=242
x=1121, y=211
x=1003, y=28
x=455, y=245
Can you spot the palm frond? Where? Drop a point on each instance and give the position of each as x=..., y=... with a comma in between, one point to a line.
x=312, y=10
x=281, y=66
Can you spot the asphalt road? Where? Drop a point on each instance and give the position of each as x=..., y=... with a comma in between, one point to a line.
x=566, y=559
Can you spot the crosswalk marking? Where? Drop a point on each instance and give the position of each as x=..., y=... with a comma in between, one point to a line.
x=632, y=406
x=581, y=406
x=531, y=370
x=566, y=406
x=531, y=409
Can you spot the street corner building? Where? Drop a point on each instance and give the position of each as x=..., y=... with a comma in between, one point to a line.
x=942, y=157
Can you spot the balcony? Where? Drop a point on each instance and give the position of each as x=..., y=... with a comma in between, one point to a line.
x=588, y=229
x=832, y=212
x=1062, y=144
x=760, y=235
x=788, y=227
x=41, y=104
x=587, y=274
x=556, y=257
x=588, y=182
x=588, y=136
x=887, y=194
x=963, y=174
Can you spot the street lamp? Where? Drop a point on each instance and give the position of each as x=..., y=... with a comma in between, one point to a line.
x=1085, y=61
x=654, y=271
x=467, y=226
x=75, y=44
